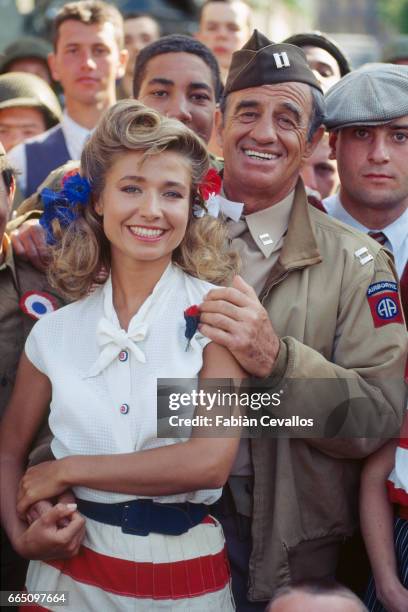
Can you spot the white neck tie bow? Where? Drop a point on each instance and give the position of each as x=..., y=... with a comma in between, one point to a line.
x=217, y=204
x=113, y=340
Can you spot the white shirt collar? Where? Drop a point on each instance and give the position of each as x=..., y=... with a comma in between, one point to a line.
x=75, y=135
x=396, y=232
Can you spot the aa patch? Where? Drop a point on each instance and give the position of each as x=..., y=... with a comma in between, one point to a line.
x=37, y=304
x=384, y=303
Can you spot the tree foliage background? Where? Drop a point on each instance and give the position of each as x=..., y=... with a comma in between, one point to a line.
x=395, y=12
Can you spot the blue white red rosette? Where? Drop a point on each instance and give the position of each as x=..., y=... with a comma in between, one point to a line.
x=192, y=318
x=37, y=304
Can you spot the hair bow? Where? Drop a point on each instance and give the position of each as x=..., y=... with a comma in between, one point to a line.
x=63, y=205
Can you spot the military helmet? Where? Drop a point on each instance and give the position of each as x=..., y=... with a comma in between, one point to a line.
x=25, y=47
x=24, y=89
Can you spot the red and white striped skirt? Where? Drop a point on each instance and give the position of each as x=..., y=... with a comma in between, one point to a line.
x=115, y=572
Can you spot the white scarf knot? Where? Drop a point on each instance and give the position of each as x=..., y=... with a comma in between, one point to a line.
x=113, y=340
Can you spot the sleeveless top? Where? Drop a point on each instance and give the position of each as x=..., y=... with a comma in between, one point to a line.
x=96, y=368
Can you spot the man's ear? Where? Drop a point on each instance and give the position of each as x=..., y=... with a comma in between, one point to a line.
x=312, y=144
x=52, y=63
x=333, y=142
x=123, y=60
x=219, y=126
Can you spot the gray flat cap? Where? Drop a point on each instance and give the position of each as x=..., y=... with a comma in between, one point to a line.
x=372, y=95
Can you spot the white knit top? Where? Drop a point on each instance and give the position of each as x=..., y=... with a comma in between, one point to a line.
x=96, y=368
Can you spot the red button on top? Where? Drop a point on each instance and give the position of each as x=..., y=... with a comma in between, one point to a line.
x=124, y=409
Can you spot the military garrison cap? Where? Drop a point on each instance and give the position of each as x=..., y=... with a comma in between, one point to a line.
x=263, y=62
x=371, y=95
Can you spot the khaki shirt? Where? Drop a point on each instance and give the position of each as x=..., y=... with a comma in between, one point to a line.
x=258, y=238
x=16, y=279
x=306, y=490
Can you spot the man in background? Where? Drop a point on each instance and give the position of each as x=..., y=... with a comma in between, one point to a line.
x=224, y=27
x=140, y=30
x=27, y=54
x=323, y=55
x=329, y=64
x=319, y=172
x=28, y=107
x=88, y=57
x=369, y=140
x=179, y=77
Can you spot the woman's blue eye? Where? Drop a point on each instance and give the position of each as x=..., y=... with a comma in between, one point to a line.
x=173, y=194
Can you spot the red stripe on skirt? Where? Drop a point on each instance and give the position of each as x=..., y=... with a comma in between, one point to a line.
x=34, y=608
x=177, y=580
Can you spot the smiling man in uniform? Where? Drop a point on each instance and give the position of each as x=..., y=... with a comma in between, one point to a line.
x=305, y=309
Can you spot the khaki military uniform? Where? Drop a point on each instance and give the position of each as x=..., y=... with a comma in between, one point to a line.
x=306, y=491
x=16, y=279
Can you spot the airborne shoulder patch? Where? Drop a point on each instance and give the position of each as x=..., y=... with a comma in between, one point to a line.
x=384, y=303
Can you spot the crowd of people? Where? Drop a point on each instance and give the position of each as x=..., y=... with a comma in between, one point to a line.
x=220, y=208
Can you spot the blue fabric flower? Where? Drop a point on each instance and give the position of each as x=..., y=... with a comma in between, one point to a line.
x=77, y=189
x=63, y=205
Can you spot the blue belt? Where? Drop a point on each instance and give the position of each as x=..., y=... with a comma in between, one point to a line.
x=144, y=516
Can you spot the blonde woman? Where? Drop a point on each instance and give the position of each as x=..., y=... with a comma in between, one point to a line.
x=97, y=361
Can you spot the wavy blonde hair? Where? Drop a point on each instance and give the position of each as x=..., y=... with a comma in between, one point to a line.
x=81, y=255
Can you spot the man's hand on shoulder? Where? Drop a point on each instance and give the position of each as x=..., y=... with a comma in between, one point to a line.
x=29, y=243
x=234, y=317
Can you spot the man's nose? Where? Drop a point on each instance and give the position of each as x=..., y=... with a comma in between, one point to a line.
x=222, y=32
x=88, y=60
x=379, y=153
x=179, y=108
x=264, y=130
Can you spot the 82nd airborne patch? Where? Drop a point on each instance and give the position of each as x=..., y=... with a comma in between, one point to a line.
x=384, y=303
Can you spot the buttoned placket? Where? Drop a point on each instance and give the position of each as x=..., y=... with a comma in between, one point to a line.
x=116, y=369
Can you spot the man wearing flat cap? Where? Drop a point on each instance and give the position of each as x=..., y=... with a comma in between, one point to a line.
x=306, y=310
x=367, y=114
